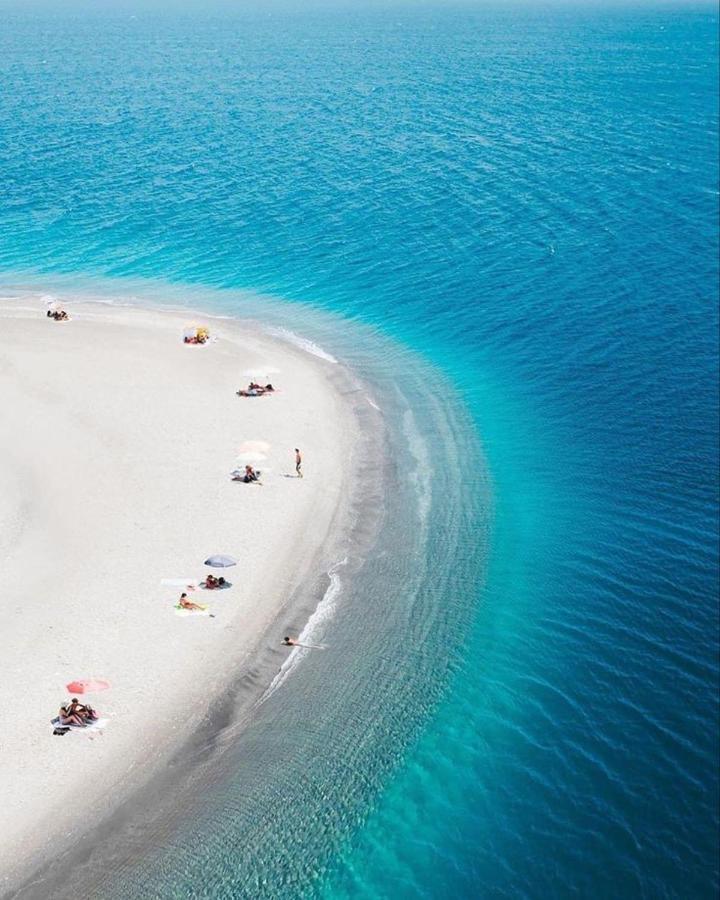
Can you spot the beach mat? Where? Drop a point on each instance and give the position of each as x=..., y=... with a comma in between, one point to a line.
x=97, y=725
x=191, y=612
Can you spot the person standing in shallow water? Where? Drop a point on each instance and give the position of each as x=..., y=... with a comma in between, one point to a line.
x=298, y=463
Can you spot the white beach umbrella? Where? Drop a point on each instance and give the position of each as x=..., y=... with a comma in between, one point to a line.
x=254, y=447
x=251, y=457
x=260, y=369
x=220, y=562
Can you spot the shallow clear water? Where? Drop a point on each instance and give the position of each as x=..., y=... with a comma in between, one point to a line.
x=529, y=201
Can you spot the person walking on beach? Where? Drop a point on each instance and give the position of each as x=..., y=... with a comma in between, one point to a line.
x=298, y=463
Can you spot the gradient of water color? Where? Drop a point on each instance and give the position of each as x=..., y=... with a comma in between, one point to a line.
x=529, y=199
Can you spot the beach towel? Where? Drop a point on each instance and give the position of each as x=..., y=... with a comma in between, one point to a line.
x=97, y=725
x=179, y=611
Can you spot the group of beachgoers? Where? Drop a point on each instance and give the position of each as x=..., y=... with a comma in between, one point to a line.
x=212, y=583
x=198, y=336
x=256, y=390
x=249, y=476
x=77, y=714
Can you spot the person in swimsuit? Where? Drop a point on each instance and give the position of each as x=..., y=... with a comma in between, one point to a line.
x=298, y=463
x=290, y=642
x=66, y=718
x=184, y=603
x=211, y=582
x=86, y=713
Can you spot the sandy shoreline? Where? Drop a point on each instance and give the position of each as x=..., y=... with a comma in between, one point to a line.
x=115, y=453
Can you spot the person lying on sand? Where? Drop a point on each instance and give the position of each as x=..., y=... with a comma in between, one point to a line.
x=184, y=603
x=256, y=390
x=67, y=718
x=211, y=582
x=86, y=713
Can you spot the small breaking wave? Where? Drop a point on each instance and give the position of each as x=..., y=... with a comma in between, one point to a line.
x=421, y=475
x=313, y=631
x=303, y=343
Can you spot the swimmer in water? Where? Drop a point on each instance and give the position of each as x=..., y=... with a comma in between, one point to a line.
x=290, y=642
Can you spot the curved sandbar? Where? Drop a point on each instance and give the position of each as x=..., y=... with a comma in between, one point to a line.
x=116, y=445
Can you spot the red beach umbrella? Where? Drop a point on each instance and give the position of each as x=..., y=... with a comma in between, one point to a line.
x=87, y=686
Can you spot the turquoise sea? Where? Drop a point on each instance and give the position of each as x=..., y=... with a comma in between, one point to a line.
x=506, y=220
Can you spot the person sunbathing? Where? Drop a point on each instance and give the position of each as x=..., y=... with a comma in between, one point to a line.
x=251, y=475
x=82, y=711
x=67, y=718
x=253, y=390
x=211, y=582
x=184, y=603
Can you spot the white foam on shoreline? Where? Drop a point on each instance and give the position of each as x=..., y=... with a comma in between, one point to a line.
x=303, y=343
x=283, y=521
x=420, y=477
x=313, y=631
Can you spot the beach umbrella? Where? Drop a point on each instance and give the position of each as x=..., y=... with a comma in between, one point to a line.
x=220, y=562
x=87, y=686
x=261, y=370
x=251, y=446
x=195, y=331
x=251, y=457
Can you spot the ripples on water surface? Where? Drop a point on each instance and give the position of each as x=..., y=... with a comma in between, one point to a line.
x=530, y=200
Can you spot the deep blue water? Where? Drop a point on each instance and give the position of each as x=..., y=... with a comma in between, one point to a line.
x=528, y=198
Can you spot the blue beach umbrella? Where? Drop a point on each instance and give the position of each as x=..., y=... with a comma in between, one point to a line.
x=220, y=562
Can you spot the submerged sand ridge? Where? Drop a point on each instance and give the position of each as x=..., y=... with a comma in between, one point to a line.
x=116, y=445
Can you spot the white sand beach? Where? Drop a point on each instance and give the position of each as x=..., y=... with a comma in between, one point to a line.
x=116, y=444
